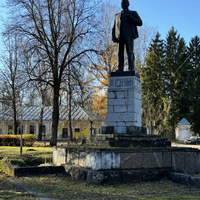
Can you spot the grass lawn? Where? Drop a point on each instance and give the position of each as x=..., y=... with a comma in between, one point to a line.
x=6, y=150
x=62, y=187
x=31, y=156
x=10, y=191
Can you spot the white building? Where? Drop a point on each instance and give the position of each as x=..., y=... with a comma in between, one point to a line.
x=183, y=131
x=84, y=122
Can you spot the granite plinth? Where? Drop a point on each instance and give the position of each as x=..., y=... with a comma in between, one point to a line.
x=107, y=129
x=131, y=160
x=190, y=164
x=124, y=102
x=135, y=130
x=181, y=160
x=127, y=140
x=132, y=130
x=115, y=176
x=125, y=73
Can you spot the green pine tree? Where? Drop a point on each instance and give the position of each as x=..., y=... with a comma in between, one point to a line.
x=176, y=79
x=153, y=92
x=194, y=61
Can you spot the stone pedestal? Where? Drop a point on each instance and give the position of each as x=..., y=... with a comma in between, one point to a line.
x=124, y=102
x=124, y=165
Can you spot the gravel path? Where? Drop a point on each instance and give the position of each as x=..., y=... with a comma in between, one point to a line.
x=40, y=196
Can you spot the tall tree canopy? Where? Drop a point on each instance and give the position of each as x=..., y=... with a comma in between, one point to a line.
x=194, y=84
x=61, y=31
x=153, y=85
x=171, y=83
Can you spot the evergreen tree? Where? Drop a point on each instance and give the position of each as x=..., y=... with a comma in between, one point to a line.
x=153, y=86
x=194, y=85
x=176, y=79
x=171, y=83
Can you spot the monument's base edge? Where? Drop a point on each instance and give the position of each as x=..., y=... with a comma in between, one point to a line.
x=115, y=176
x=125, y=73
x=127, y=140
x=133, y=130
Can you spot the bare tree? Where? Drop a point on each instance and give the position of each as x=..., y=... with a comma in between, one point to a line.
x=77, y=87
x=10, y=76
x=141, y=45
x=62, y=30
x=105, y=62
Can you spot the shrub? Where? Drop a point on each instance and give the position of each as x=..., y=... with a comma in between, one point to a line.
x=19, y=163
x=25, y=160
x=29, y=139
x=33, y=161
x=14, y=140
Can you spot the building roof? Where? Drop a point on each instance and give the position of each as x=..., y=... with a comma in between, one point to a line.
x=32, y=113
x=184, y=122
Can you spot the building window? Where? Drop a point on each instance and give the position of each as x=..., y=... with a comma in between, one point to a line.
x=20, y=130
x=93, y=131
x=10, y=129
x=43, y=130
x=31, y=129
x=64, y=133
x=77, y=132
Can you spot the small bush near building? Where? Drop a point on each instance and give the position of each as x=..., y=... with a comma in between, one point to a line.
x=28, y=140
x=14, y=140
x=26, y=160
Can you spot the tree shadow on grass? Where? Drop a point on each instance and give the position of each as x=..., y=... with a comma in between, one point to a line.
x=9, y=191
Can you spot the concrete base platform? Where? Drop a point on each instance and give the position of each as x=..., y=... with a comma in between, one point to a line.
x=115, y=176
x=127, y=140
x=180, y=160
x=184, y=179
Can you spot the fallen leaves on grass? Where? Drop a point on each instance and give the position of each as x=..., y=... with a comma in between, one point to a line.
x=62, y=187
x=10, y=191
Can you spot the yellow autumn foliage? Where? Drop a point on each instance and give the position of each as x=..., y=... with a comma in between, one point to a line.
x=107, y=63
x=100, y=104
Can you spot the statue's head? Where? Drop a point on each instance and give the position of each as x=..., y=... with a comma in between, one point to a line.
x=125, y=4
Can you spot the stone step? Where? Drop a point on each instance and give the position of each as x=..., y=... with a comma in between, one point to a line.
x=133, y=130
x=127, y=140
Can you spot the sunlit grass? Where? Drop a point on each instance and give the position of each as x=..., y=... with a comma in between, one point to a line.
x=6, y=150
x=31, y=156
x=10, y=191
x=61, y=187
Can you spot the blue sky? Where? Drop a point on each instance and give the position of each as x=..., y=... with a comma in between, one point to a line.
x=184, y=15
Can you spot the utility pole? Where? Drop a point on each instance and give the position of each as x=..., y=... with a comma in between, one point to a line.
x=149, y=125
x=21, y=135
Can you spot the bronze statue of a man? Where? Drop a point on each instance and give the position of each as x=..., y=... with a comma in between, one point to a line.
x=124, y=32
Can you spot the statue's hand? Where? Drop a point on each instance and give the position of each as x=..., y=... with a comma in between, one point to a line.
x=115, y=40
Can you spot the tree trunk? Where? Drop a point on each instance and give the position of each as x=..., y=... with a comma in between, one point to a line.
x=14, y=114
x=70, y=110
x=149, y=123
x=70, y=114
x=40, y=122
x=55, y=116
x=70, y=103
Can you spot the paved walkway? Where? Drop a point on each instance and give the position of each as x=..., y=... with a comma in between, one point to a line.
x=186, y=145
x=39, y=195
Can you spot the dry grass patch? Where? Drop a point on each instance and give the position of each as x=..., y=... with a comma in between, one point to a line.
x=9, y=191
x=61, y=187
